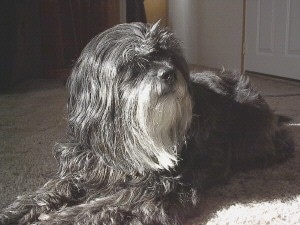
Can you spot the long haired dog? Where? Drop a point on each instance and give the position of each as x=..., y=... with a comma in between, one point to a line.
x=145, y=136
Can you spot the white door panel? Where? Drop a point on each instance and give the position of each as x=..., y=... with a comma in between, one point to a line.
x=273, y=37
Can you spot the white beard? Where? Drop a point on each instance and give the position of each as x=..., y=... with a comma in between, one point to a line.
x=158, y=122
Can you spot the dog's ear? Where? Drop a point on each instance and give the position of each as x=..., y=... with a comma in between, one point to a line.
x=155, y=26
x=82, y=90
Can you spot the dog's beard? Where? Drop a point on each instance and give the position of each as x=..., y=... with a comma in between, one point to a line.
x=157, y=117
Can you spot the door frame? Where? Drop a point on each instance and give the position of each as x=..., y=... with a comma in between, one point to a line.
x=243, y=48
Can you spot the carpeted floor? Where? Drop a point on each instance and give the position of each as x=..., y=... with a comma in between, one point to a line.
x=32, y=119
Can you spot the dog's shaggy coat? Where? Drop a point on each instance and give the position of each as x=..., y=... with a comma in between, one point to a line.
x=145, y=136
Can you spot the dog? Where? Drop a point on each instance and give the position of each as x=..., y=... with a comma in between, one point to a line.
x=146, y=137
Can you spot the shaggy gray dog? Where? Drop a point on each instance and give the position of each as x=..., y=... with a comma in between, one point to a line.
x=146, y=137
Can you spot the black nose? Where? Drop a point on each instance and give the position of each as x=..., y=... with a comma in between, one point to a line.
x=167, y=74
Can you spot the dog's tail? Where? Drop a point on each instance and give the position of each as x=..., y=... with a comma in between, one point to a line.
x=283, y=139
x=283, y=119
x=287, y=121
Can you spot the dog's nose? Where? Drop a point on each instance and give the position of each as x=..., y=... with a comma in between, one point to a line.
x=167, y=75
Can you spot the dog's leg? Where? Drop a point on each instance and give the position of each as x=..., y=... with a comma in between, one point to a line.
x=27, y=208
x=149, y=213
x=94, y=212
x=133, y=206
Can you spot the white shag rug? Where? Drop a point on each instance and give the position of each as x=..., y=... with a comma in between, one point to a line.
x=275, y=212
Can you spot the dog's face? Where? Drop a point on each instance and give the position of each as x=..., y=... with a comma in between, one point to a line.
x=129, y=97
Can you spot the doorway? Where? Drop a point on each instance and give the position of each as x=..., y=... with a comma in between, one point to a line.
x=272, y=37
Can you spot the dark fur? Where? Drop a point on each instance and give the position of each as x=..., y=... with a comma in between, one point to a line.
x=100, y=181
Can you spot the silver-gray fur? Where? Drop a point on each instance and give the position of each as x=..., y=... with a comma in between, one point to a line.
x=146, y=137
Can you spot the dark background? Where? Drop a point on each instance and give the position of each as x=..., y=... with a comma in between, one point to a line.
x=43, y=38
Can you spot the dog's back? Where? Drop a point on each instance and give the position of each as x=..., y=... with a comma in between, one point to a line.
x=236, y=124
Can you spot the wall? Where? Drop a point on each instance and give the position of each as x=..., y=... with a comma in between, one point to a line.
x=20, y=47
x=156, y=10
x=211, y=31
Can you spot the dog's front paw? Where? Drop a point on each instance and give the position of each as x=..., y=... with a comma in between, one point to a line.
x=8, y=217
x=3, y=219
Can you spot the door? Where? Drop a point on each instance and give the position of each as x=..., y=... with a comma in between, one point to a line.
x=273, y=37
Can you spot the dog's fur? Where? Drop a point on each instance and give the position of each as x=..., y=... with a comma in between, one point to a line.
x=146, y=137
